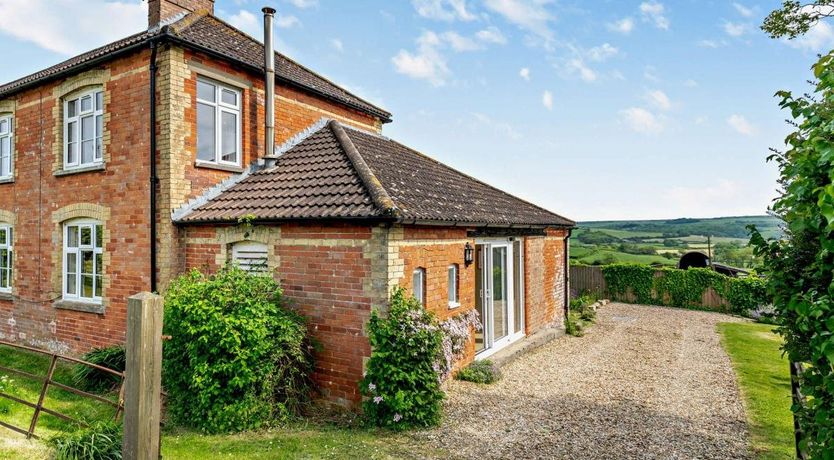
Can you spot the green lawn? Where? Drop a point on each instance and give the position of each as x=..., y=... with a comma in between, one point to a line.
x=764, y=379
x=298, y=440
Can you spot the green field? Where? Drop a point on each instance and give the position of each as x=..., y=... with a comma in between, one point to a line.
x=663, y=242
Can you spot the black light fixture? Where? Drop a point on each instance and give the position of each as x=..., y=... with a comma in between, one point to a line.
x=467, y=254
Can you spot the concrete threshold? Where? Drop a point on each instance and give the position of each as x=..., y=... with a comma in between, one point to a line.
x=517, y=349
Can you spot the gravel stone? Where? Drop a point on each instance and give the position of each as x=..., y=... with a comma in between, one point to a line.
x=644, y=382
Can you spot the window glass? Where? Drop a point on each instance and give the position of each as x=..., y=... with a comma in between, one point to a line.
x=206, y=139
x=206, y=91
x=4, y=126
x=218, y=123
x=6, y=258
x=229, y=97
x=83, y=262
x=83, y=128
x=453, y=285
x=418, y=284
x=229, y=137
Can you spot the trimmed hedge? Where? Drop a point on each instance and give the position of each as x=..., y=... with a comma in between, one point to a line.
x=683, y=288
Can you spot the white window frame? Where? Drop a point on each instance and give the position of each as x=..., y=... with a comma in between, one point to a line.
x=7, y=244
x=242, y=257
x=7, y=136
x=219, y=109
x=77, y=252
x=452, y=274
x=418, y=285
x=97, y=114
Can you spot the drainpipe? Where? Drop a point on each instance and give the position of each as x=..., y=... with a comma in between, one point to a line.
x=269, y=82
x=567, y=274
x=154, y=180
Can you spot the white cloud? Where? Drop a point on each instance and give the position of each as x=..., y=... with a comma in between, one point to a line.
x=650, y=73
x=743, y=10
x=602, y=52
x=659, y=99
x=337, y=44
x=547, y=100
x=287, y=21
x=690, y=83
x=819, y=38
x=497, y=126
x=247, y=22
x=55, y=25
x=707, y=43
x=529, y=15
x=655, y=13
x=304, y=3
x=460, y=43
x=701, y=120
x=641, y=120
x=578, y=66
x=735, y=29
x=705, y=198
x=623, y=26
x=443, y=10
x=524, y=73
x=427, y=63
x=741, y=125
x=491, y=35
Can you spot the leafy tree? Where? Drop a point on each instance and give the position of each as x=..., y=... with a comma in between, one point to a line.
x=800, y=266
x=797, y=18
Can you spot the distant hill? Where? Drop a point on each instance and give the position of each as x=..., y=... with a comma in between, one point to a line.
x=662, y=242
x=728, y=227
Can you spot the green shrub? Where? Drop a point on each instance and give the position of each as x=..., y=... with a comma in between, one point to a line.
x=574, y=325
x=683, y=288
x=91, y=379
x=102, y=441
x=480, y=372
x=402, y=383
x=237, y=359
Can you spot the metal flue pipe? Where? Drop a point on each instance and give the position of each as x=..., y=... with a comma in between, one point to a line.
x=269, y=76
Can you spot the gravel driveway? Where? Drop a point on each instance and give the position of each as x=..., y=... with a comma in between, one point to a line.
x=644, y=382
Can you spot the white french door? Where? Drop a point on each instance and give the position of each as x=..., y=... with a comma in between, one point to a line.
x=499, y=297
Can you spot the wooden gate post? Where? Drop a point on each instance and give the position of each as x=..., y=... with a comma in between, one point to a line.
x=143, y=377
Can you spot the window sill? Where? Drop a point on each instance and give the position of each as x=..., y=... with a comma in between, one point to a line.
x=5, y=295
x=453, y=305
x=217, y=166
x=6, y=180
x=84, y=307
x=85, y=169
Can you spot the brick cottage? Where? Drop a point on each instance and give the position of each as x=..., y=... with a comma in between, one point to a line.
x=130, y=164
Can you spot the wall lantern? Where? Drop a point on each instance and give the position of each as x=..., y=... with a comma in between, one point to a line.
x=467, y=254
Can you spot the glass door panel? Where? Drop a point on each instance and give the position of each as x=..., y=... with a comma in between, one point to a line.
x=500, y=304
x=518, y=286
x=480, y=297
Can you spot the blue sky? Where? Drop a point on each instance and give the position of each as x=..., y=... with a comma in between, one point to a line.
x=594, y=109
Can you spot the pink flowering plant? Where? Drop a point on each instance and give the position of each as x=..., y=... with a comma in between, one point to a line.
x=401, y=385
x=456, y=333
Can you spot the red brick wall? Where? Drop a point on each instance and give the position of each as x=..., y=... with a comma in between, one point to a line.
x=434, y=249
x=544, y=281
x=36, y=193
x=121, y=189
x=325, y=271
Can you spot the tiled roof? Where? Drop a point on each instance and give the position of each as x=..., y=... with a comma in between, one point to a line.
x=209, y=33
x=339, y=172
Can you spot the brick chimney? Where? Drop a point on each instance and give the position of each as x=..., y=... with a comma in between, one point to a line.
x=159, y=10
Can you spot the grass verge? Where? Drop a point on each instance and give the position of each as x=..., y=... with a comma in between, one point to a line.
x=298, y=440
x=764, y=379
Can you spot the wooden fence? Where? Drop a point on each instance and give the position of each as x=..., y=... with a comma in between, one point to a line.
x=589, y=278
x=48, y=381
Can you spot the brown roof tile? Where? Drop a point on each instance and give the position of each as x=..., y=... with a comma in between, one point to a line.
x=321, y=178
x=208, y=33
